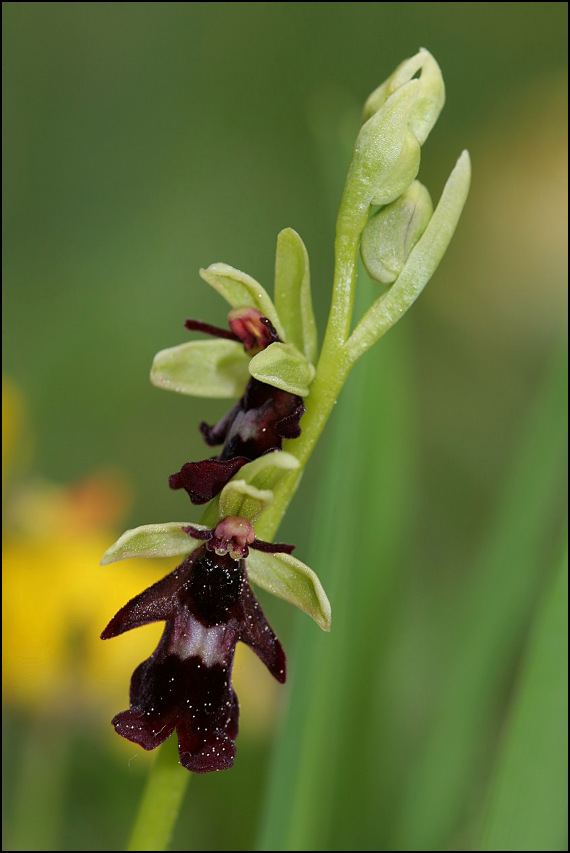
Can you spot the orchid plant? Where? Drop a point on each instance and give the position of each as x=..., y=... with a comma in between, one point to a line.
x=286, y=386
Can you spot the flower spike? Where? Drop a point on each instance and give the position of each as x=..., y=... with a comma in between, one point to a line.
x=267, y=360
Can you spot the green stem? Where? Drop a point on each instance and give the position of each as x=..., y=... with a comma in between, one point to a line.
x=161, y=800
x=332, y=369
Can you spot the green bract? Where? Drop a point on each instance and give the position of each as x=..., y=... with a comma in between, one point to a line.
x=420, y=265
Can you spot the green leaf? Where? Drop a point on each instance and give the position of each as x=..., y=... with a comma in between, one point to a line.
x=153, y=540
x=290, y=579
x=293, y=293
x=241, y=290
x=528, y=807
x=216, y=368
x=241, y=499
x=283, y=366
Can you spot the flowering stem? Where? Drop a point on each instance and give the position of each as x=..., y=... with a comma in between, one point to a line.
x=161, y=800
x=332, y=370
x=340, y=348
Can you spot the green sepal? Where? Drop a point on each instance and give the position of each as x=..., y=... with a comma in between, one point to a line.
x=241, y=499
x=153, y=540
x=266, y=471
x=284, y=367
x=262, y=475
x=241, y=290
x=293, y=293
x=290, y=579
x=216, y=368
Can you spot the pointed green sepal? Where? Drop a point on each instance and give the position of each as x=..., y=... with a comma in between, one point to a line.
x=153, y=540
x=284, y=367
x=241, y=290
x=216, y=368
x=266, y=471
x=262, y=476
x=293, y=293
x=241, y=499
x=293, y=581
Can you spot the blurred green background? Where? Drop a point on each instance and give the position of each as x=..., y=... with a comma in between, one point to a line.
x=143, y=141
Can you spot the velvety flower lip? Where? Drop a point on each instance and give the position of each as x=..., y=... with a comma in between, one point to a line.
x=208, y=606
x=256, y=425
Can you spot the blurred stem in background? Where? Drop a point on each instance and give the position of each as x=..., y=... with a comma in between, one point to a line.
x=523, y=812
x=513, y=570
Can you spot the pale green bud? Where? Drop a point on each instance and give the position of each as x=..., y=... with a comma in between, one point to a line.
x=398, y=117
x=391, y=234
x=386, y=156
x=430, y=98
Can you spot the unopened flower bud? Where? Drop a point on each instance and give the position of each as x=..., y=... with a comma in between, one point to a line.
x=398, y=117
x=430, y=97
x=391, y=234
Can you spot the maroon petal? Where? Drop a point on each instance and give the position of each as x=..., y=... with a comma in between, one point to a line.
x=272, y=547
x=157, y=602
x=257, y=633
x=199, y=326
x=288, y=426
x=138, y=727
x=204, y=480
x=206, y=737
x=217, y=434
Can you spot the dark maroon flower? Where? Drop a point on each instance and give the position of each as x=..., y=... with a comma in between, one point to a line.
x=257, y=424
x=208, y=606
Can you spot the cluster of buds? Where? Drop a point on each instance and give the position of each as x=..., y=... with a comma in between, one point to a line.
x=268, y=359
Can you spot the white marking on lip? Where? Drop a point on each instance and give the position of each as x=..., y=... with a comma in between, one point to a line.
x=202, y=642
